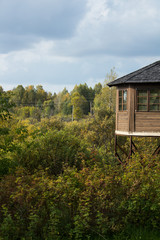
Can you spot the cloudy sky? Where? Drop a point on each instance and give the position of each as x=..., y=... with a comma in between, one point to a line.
x=60, y=43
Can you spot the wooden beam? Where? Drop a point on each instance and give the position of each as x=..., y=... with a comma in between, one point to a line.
x=156, y=151
x=116, y=153
x=118, y=158
x=130, y=151
x=122, y=149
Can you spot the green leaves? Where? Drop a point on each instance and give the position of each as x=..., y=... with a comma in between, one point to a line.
x=51, y=150
x=5, y=106
x=79, y=204
x=60, y=180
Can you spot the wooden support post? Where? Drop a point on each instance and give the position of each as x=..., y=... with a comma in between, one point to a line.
x=133, y=148
x=156, y=151
x=130, y=152
x=115, y=150
x=134, y=145
x=122, y=150
x=115, y=145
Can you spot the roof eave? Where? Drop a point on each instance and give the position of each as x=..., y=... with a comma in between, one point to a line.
x=112, y=84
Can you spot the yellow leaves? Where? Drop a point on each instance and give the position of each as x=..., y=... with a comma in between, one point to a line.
x=30, y=87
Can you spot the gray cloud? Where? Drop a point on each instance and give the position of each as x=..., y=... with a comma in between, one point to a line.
x=70, y=42
x=22, y=22
x=120, y=28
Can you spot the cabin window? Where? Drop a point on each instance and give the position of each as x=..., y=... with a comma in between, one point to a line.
x=142, y=100
x=148, y=100
x=122, y=100
x=154, y=100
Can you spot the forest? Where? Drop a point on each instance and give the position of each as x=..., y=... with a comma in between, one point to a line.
x=59, y=178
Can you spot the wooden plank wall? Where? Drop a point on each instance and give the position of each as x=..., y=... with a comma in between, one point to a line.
x=131, y=108
x=122, y=121
x=147, y=121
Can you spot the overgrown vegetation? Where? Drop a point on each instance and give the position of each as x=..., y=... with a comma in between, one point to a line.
x=59, y=178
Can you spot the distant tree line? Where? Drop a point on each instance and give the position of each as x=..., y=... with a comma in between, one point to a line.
x=37, y=103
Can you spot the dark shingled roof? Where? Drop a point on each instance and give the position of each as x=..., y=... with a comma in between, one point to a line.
x=148, y=74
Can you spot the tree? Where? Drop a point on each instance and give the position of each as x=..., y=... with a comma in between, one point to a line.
x=1, y=89
x=41, y=95
x=66, y=107
x=48, y=108
x=5, y=105
x=30, y=95
x=77, y=102
x=61, y=101
x=57, y=101
x=18, y=94
x=105, y=101
x=88, y=93
x=110, y=77
x=98, y=88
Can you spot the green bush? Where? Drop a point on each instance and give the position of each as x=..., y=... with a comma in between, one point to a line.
x=52, y=150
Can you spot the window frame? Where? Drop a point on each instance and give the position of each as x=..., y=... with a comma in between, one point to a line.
x=148, y=103
x=137, y=102
x=122, y=101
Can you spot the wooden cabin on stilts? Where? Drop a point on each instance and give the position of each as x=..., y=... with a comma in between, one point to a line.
x=138, y=105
